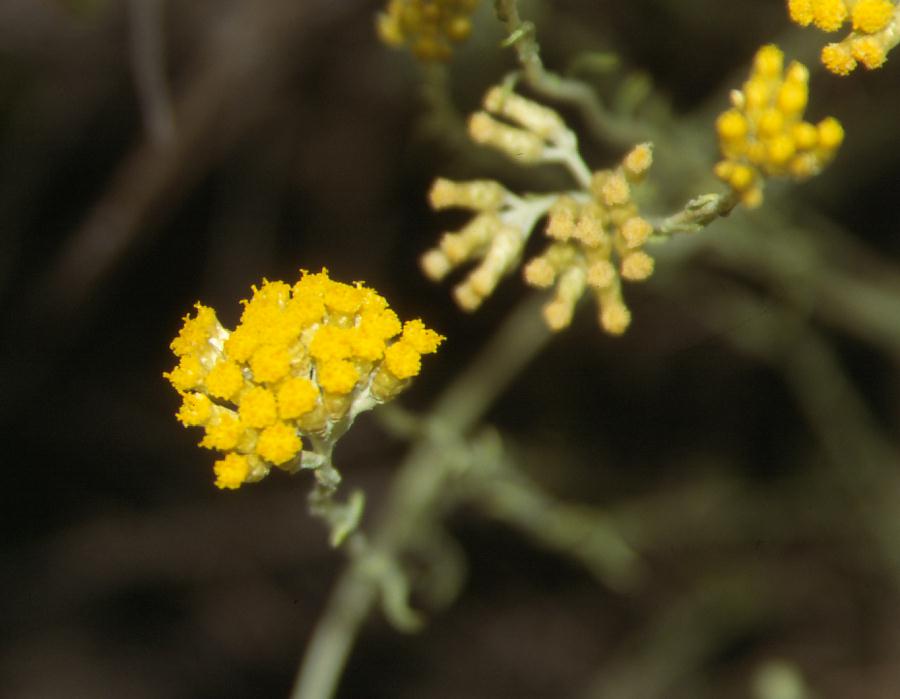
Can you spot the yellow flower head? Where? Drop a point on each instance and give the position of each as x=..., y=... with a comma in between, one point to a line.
x=764, y=135
x=429, y=28
x=302, y=363
x=875, y=30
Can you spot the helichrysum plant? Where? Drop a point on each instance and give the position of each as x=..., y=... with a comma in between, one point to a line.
x=305, y=359
x=288, y=381
x=874, y=30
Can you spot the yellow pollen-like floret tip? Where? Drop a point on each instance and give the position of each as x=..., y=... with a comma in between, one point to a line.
x=801, y=12
x=224, y=380
x=637, y=266
x=296, y=396
x=331, y=342
x=187, y=375
x=805, y=135
x=637, y=161
x=383, y=324
x=871, y=16
x=241, y=343
x=838, y=58
x=780, y=149
x=270, y=363
x=231, y=471
x=195, y=410
x=366, y=346
x=422, y=339
x=615, y=317
x=402, y=360
x=337, y=376
x=829, y=15
x=869, y=51
x=278, y=443
x=732, y=125
x=343, y=298
x=539, y=273
x=792, y=97
x=768, y=61
x=223, y=431
x=196, y=331
x=771, y=122
x=615, y=190
x=635, y=231
x=257, y=407
x=831, y=133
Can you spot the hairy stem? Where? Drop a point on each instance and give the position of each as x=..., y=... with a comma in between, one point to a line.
x=416, y=494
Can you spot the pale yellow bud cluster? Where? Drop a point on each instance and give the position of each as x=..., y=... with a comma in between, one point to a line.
x=485, y=237
x=597, y=242
x=302, y=363
x=875, y=30
x=764, y=134
x=529, y=132
x=429, y=28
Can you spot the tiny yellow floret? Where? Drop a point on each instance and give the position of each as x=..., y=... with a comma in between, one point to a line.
x=223, y=432
x=224, y=380
x=337, y=376
x=270, y=363
x=868, y=51
x=296, y=397
x=231, y=471
x=195, y=410
x=257, y=407
x=871, y=16
x=402, y=360
x=420, y=338
x=838, y=59
x=829, y=15
x=801, y=11
x=278, y=443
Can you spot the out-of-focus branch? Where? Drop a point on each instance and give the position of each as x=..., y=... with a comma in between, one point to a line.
x=246, y=58
x=863, y=459
x=149, y=67
x=601, y=122
x=416, y=499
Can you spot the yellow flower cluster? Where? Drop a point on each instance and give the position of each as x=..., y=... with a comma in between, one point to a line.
x=302, y=363
x=764, y=134
x=596, y=243
x=429, y=27
x=875, y=30
x=597, y=235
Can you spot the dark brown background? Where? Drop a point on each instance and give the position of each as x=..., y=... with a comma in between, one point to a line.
x=302, y=142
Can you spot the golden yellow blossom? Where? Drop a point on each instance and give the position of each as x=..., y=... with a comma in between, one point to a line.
x=764, y=135
x=875, y=30
x=301, y=364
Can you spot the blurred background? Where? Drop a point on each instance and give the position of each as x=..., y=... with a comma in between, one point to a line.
x=742, y=435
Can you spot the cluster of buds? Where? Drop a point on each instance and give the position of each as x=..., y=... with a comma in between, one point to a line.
x=596, y=243
x=301, y=364
x=764, y=134
x=875, y=30
x=429, y=28
x=596, y=233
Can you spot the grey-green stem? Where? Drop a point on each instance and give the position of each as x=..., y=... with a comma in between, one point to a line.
x=416, y=494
